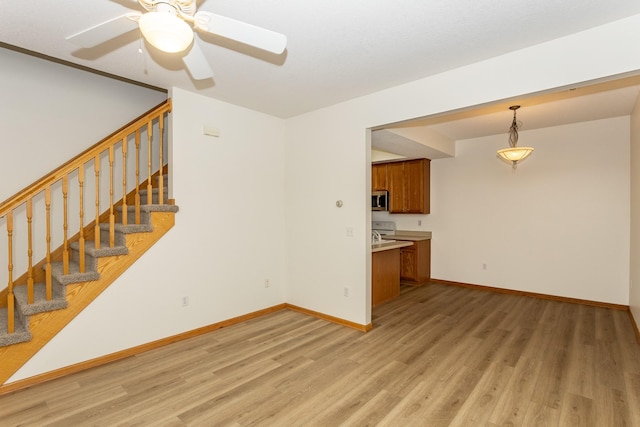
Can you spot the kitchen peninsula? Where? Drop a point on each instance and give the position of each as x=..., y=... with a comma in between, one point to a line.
x=401, y=255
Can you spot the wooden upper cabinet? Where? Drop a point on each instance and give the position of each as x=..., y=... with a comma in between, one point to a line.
x=409, y=184
x=379, y=177
x=395, y=182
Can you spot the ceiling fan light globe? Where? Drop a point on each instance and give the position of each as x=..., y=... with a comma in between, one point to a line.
x=166, y=31
x=515, y=154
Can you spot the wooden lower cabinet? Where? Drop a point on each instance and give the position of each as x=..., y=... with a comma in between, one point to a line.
x=415, y=262
x=385, y=276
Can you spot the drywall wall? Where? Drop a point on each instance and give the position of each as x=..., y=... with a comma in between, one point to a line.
x=559, y=225
x=634, y=282
x=226, y=242
x=51, y=112
x=316, y=177
x=326, y=158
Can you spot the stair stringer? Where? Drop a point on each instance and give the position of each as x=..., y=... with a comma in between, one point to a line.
x=44, y=326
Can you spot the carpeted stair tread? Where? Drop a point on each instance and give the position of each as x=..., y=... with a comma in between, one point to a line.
x=145, y=212
x=40, y=303
x=151, y=208
x=129, y=228
x=103, y=251
x=74, y=275
x=21, y=333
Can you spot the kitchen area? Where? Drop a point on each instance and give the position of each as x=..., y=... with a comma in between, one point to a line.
x=398, y=256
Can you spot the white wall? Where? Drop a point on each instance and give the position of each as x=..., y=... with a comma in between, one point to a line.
x=634, y=282
x=557, y=226
x=263, y=169
x=51, y=112
x=227, y=240
x=326, y=154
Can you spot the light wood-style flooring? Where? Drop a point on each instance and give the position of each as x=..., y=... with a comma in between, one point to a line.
x=439, y=355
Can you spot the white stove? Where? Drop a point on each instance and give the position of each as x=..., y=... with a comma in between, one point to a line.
x=385, y=228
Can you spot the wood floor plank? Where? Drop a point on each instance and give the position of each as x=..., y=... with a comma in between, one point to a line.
x=581, y=370
x=483, y=398
x=632, y=391
x=540, y=415
x=438, y=356
x=577, y=411
x=513, y=403
x=610, y=408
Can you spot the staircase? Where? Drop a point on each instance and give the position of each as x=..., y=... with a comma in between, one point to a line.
x=40, y=303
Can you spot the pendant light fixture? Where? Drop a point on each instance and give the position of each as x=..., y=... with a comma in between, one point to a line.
x=514, y=154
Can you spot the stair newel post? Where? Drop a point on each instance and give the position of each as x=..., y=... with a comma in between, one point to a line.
x=81, y=202
x=65, y=224
x=30, y=251
x=112, y=222
x=47, y=203
x=10, y=297
x=124, y=181
x=160, y=178
x=137, y=196
x=149, y=140
x=96, y=229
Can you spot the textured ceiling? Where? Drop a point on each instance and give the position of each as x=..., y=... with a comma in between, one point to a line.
x=337, y=49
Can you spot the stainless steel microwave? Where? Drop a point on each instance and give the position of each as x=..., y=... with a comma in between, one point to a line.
x=379, y=200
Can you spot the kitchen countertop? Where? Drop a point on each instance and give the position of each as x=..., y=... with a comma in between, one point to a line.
x=389, y=245
x=407, y=235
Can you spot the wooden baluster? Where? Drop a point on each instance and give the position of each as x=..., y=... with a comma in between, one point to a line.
x=65, y=225
x=160, y=179
x=10, y=297
x=47, y=203
x=81, y=201
x=96, y=228
x=30, y=251
x=137, y=198
x=149, y=186
x=124, y=181
x=112, y=222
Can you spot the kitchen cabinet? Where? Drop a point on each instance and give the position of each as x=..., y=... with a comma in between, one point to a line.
x=415, y=262
x=385, y=276
x=379, y=177
x=408, y=183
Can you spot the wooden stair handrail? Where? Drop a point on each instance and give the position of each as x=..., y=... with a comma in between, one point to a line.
x=57, y=174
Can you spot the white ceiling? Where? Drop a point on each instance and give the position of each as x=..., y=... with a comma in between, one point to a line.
x=337, y=49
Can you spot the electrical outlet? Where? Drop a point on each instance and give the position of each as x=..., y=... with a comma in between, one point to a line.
x=185, y=300
x=484, y=266
x=266, y=283
x=419, y=222
x=346, y=292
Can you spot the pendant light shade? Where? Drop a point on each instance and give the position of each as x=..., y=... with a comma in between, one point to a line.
x=166, y=31
x=514, y=154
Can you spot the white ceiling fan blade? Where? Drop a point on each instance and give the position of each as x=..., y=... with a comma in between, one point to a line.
x=105, y=31
x=197, y=64
x=240, y=31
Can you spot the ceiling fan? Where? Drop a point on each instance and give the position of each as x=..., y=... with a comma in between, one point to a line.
x=168, y=25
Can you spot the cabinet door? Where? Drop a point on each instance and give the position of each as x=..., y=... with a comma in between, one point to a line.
x=416, y=186
x=379, y=177
x=408, y=264
x=408, y=184
x=395, y=182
